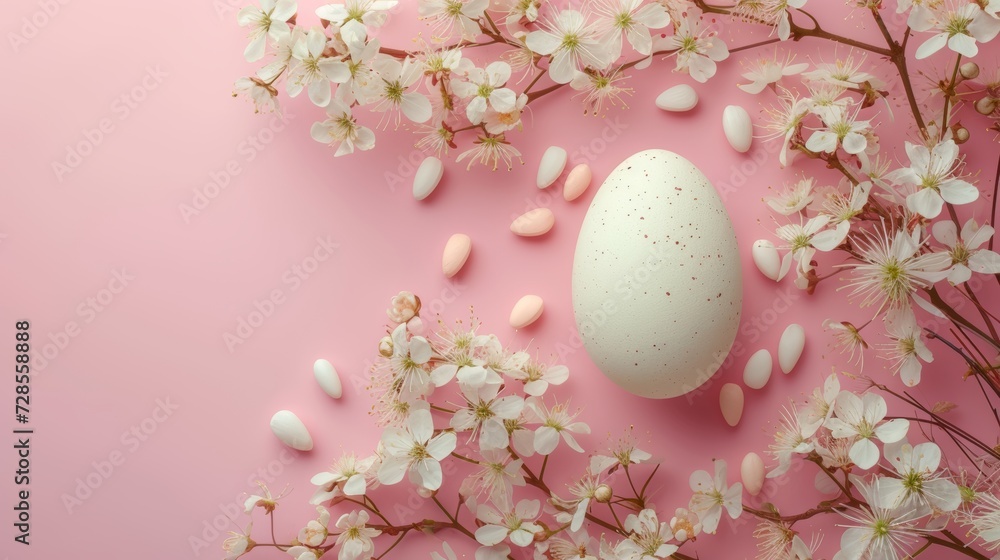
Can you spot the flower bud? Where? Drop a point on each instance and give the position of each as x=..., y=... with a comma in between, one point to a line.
x=603, y=494
x=425, y=493
x=961, y=134
x=969, y=70
x=986, y=105
x=385, y=347
x=415, y=325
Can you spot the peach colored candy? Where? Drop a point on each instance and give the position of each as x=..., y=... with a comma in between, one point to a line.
x=456, y=252
x=526, y=311
x=533, y=223
x=731, y=403
x=577, y=182
x=752, y=473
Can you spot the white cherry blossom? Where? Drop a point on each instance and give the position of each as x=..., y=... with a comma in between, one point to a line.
x=572, y=42
x=861, y=419
x=270, y=19
x=712, y=494
x=415, y=450
x=966, y=250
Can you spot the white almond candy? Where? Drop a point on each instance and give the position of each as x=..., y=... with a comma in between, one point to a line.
x=765, y=256
x=552, y=165
x=738, y=128
x=456, y=252
x=291, y=431
x=326, y=376
x=526, y=311
x=752, y=473
x=427, y=178
x=731, y=403
x=793, y=340
x=758, y=369
x=678, y=98
x=533, y=223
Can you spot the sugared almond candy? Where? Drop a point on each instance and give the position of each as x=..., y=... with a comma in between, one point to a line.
x=291, y=431
x=738, y=128
x=765, y=256
x=752, y=473
x=456, y=252
x=790, y=346
x=678, y=98
x=533, y=223
x=731, y=403
x=577, y=181
x=526, y=311
x=326, y=376
x=427, y=178
x=758, y=369
x=551, y=167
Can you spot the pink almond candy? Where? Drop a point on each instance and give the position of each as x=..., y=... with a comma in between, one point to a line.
x=533, y=223
x=456, y=252
x=731, y=403
x=577, y=182
x=526, y=311
x=752, y=473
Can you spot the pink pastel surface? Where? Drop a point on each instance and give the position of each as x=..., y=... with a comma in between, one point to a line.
x=193, y=277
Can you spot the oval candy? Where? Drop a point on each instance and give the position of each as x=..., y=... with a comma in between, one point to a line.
x=765, y=256
x=533, y=223
x=752, y=473
x=738, y=128
x=679, y=98
x=551, y=167
x=456, y=252
x=427, y=178
x=291, y=431
x=326, y=376
x=577, y=182
x=758, y=369
x=526, y=311
x=790, y=346
x=731, y=403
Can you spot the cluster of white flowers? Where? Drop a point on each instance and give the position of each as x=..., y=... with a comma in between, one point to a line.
x=897, y=224
x=890, y=493
x=440, y=87
x=504, y=419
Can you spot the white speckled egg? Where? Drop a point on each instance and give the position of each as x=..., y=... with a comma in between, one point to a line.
x=657, y=289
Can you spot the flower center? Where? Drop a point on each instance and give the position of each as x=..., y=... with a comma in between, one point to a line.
x=624, y=20
x=958, y=25
x=865, y=430
x=484, y=90
x=419, y=452
x=960, y=254
x=394, y=91
x=483, y=411
x=570, y=42
x=454, y=8
x=913, y=482
x=894, y=281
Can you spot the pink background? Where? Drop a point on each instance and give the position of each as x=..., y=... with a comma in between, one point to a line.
x=161, y=337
